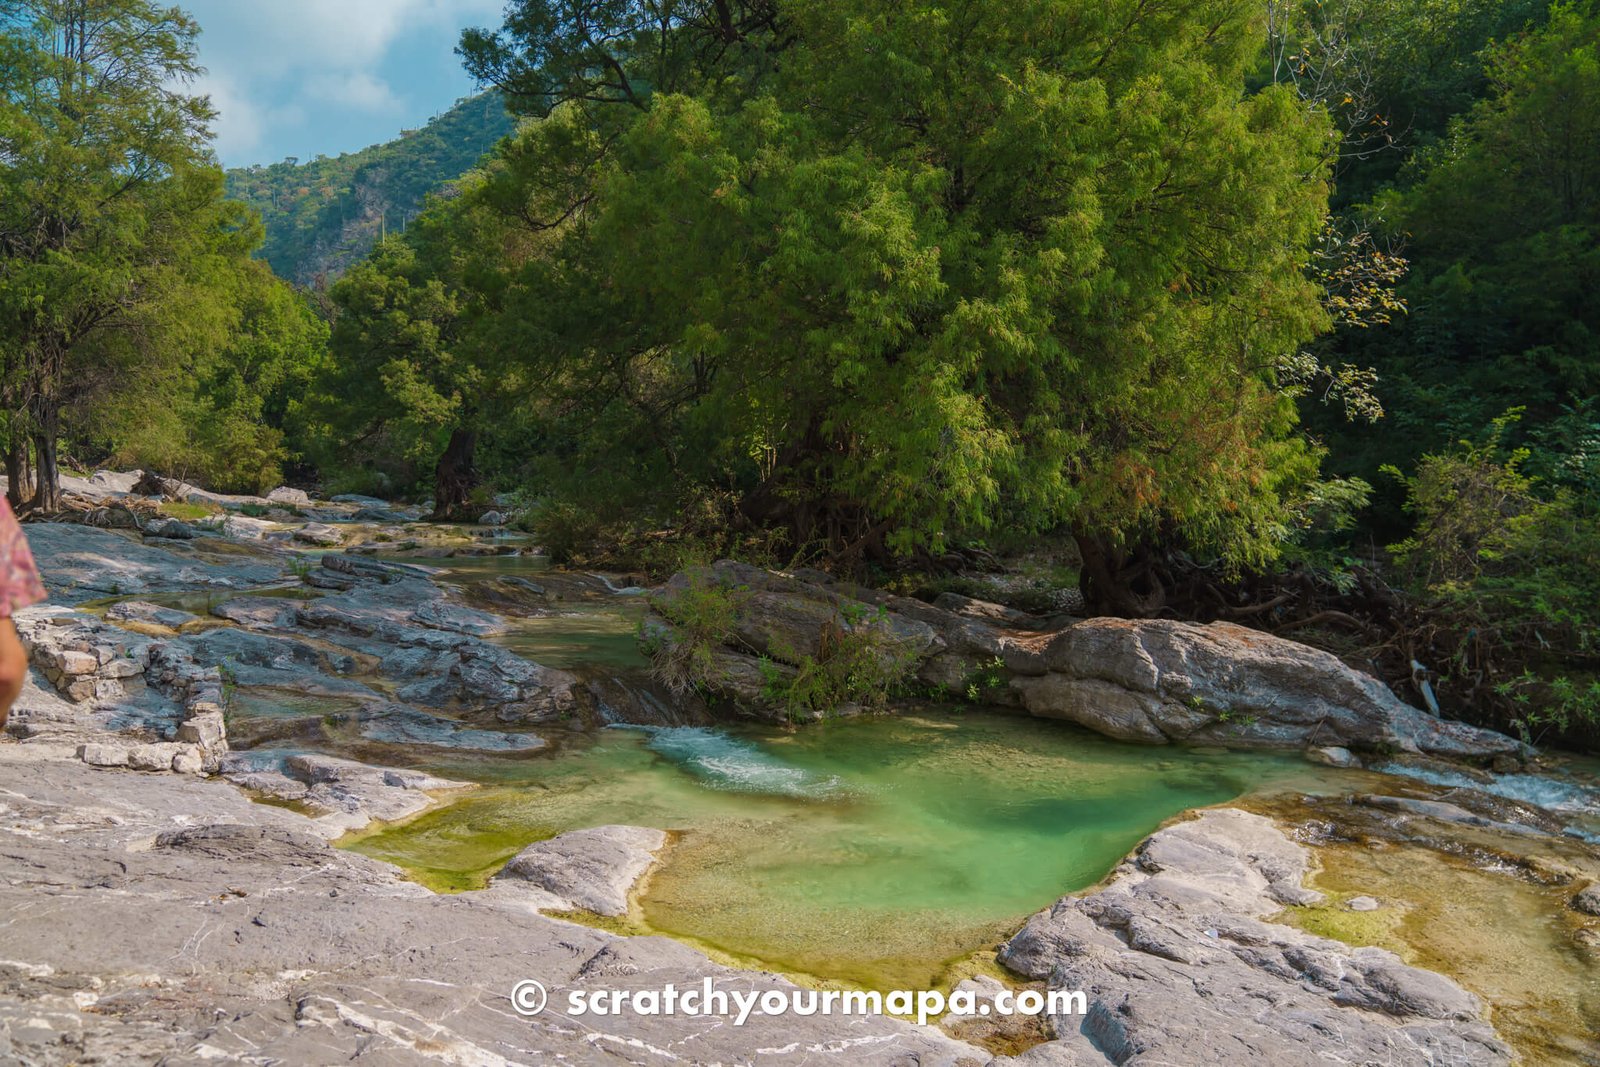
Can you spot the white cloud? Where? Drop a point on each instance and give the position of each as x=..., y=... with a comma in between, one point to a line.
x=340, y=34
x=356, y=89
x=274, y=65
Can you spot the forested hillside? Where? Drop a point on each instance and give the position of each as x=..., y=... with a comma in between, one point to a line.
x=324, y=214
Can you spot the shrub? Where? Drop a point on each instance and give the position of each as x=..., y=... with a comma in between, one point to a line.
x=859, y=661
x=700, y=618
x=1507, y=574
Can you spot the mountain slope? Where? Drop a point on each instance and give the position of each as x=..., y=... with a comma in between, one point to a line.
x=324, y=215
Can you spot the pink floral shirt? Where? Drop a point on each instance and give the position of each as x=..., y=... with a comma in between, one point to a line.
x=19, y=578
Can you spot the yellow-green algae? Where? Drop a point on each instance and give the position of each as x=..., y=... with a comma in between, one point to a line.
x=1501, y=928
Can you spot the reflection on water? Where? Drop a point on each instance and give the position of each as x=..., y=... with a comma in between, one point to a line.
x=572, y=636
x=870, y=850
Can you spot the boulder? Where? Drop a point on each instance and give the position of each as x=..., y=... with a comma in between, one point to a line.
x=244, y=528
x=116, y=481
x=384, y=514
x=171, y=529
x=1150, y=681
x=188, y=763
x=294, y=498
x=103, y=754
x=156, y=757
x=361, y=792
x=1588, y=900
x=142, y=611
x=397, y=724
x=380, y=570
x=1332, y=756
x=593, y=870
x=1157, y=681
x=319, y=533
x=493, y=518
x=206, y=729
x=360, y=501
x=257, y=612
x=1178, y=966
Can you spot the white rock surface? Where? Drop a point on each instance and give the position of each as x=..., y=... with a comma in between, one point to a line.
x=1179, y=966
x=592, y=870
x=292, y=497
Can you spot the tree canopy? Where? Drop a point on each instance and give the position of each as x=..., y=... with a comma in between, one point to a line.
x=940, y=268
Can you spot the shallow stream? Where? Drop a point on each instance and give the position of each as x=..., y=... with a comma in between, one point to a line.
x=873, y=851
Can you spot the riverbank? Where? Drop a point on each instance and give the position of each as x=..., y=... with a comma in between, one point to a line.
x=363, y=691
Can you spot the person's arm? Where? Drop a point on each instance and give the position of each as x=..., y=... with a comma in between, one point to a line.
x=13, y=668
x=19, y=587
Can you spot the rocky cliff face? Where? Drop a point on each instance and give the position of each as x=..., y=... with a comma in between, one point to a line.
x=1153, y=681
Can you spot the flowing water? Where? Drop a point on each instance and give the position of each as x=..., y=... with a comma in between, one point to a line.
x=872, y=851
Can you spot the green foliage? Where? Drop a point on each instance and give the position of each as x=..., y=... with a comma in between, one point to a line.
x=393, y=389
x=990, y=676
x=222, y=410
x=110, y=208
x=324, y=215
x=1509, y=579
x=1559, y=705
x=1500, y=212
x=860, y=662
x=621, y=51
x=187, y=512
x=885, y=303
x=701, y=616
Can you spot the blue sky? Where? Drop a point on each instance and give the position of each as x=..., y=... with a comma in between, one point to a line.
x=308, y=77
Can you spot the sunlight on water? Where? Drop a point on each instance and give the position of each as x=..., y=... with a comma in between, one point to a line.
x=873, y=851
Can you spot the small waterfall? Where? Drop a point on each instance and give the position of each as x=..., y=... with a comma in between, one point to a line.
x=726, y=763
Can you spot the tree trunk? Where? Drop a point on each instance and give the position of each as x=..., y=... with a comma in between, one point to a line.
x=47, y=492
x=19, y=468
x=454, y=478
x=1116, y=582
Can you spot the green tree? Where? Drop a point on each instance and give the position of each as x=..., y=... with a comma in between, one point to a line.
x=221, y=403
x=422, y=365
x=948, y=267
x=1506, y=577
x=1502, y=219
x=621, y=51
x=106, y=191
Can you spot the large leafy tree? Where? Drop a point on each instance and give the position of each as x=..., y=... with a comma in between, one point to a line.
x=423, y=361
x=106, y=192
x=945, y=267
x=1506, y=223
x=213, y=394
